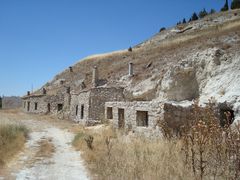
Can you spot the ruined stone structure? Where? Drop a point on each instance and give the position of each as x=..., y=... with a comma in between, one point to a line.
x=87, y=107
x=44, y=103
x=144, y=116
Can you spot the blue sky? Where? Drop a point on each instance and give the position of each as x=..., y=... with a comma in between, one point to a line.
x=40, y=38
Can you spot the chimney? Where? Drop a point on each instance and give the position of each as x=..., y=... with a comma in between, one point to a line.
x=70, y=69
x=44, y=91
x=28, y=93
x=130, y=69
x=95, y=76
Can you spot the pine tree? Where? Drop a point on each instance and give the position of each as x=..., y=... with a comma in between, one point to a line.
x=235, y=4
x=225, y=7
x=212, y=11
x=194, y=17
x=0, y=102
x=184, y=21
x=202, y=13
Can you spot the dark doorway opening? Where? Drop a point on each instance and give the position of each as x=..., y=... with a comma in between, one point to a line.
x=226, y=116
x=35, y=106
x=109, y=113
x=121, y=121
x=48, y=107
x=28, y=106
x=76, y=110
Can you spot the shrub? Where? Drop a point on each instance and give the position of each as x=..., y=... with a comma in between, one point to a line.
x=12, y=138
x=162, y=29
x=202, y=13
x=194, y=17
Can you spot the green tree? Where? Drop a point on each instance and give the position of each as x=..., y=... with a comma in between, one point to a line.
x=194, y=17
x=235, y=4
x=202, y=13
x=225, y=7
x=212, y=11
x=184, y=21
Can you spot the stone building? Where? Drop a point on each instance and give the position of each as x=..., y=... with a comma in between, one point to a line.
x=44, y=103
x=144, y=116
x=87, y=106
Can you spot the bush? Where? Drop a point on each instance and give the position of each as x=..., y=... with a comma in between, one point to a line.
x=162, y=29
x=194, y=17
x=235, y=4
x=212, y=11
x=202, y=13
x=12, y=138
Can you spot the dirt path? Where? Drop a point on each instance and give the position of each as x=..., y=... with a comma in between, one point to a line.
x=48, y=154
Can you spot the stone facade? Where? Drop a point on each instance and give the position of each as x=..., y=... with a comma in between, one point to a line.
x=87, y=107
x=43, y=103
x=144, y=116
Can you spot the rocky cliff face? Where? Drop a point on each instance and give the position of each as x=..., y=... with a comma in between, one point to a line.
x=198, y=60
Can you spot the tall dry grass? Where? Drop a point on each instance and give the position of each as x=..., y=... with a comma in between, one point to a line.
x=12, y=139
x=114, y=156
x=203, y=150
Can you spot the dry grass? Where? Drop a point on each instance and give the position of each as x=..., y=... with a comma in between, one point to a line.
x=116, y=157
x=12, y=139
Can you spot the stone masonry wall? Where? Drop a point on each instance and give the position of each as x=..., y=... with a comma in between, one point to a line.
x=77, y=101
x=98, y=97
x=130, y=113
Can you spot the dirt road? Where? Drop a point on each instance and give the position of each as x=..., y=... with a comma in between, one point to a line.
x=48, y=154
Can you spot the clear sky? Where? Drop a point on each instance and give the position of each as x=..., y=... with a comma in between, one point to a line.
x=40, y=38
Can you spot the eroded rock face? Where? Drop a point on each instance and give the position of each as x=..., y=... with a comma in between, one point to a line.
x=179, y=83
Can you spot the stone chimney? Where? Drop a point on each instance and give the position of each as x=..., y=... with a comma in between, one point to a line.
x=95, y=76
x=28, y=93
x=70, y=69
x=44, y=91
x=130, y=69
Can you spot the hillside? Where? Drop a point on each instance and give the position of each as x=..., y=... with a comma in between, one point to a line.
x=200, y=59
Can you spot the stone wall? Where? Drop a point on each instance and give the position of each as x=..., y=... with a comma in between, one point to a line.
x=131, y=110
x=92, y=103
x=42, y=104
x=135, y=112
x=77, y=102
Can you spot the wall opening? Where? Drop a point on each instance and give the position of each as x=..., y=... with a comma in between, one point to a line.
x=76, y=112
x=28, y=106
x=24, y=104
x=35, y=105
x=109, y=113
x=48, y=107
x=121, y=121
x=60, y=107
x=226, y=116
x=82, y=111
x=142, y=118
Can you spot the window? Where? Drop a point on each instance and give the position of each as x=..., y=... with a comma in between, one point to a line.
x=60, y=107
x=142, y=118
x=24, y=104
x=82, y=111
x=36, y=106
x=109, y=113
x=76, y=110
